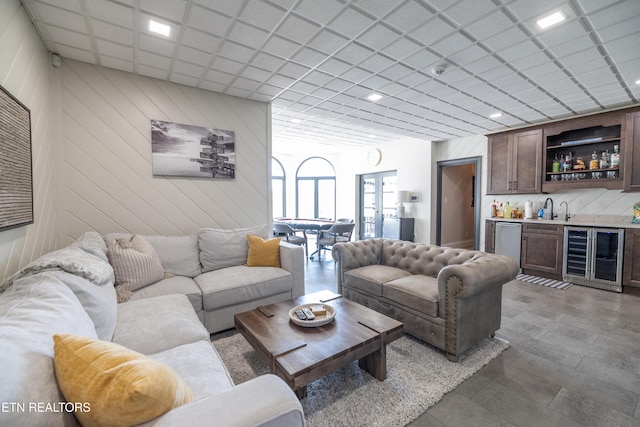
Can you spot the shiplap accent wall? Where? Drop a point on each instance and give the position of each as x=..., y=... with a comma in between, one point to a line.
x=26, y=72
x=109, y=185
x=590, y=201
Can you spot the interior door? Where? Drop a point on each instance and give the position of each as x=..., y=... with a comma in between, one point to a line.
x=377, y=202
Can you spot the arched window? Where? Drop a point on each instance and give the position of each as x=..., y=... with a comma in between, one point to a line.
x=278, y=186
x=316, y=189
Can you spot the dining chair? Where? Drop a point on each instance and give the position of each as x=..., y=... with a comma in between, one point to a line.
x=288, y=233
x=339, y=232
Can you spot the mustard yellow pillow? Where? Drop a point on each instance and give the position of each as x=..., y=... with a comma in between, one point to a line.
x=263, y=253
x=122, y=387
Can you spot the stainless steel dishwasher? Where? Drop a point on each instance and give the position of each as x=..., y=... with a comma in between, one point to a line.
x=508, y=239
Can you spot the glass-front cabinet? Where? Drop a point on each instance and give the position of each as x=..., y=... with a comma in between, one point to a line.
x=584, y=154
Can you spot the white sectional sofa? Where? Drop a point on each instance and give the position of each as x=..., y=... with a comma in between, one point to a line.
x=71, y=291
x=209, y=268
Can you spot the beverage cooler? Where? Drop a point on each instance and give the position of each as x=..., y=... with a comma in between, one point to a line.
x=593, y=257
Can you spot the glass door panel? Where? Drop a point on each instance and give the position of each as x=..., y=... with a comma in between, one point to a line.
x=606, y=255
x=577, y=252
x=377, y=202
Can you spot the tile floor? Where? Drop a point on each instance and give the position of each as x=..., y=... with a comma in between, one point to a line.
x=574, y=360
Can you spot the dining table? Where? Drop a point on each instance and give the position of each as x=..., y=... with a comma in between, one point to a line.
x=308, y=224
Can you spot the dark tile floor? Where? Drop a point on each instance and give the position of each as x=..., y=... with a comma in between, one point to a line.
x=574, y=360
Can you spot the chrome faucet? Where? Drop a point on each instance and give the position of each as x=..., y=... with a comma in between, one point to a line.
x=551, y=215
x=566, y=212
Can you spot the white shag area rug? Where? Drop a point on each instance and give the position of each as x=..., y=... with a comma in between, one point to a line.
x=418, y=376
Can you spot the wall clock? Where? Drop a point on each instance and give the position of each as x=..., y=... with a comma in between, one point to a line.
x=374, y=156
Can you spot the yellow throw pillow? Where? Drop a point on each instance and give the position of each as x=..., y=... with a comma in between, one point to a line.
x=121, y=387
x=263, y=253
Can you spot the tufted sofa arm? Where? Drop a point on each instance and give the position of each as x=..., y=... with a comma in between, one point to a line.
x=479, y=273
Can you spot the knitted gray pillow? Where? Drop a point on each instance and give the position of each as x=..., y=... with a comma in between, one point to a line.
x=135, y=263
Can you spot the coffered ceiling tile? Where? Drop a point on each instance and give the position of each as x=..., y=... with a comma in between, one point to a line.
x=320, y=12
x=328, y=42
x=115, y=50
x=409, y=16
x=70, y=38
x=262, y=15
x=351, y=23
x=432, y=31
x=615, y=13
x=401, y=48
x=464, y=13
x=509, y=37
x=489, y=25
x=110, y=12
x=292, y=70
x=184, y=80
x=62, y=18
x=156, y=45
x=468, y=55
x=201, y=41
x=194, y=56
x=226, y=65
x=519, y=50
x=113, y=33
x=247, y=35
x=189, y=69
x=354, y=53
x=563, y=33
x=334, y=67
x=527, y=10
x=75, y=53
x=168, y=9
x=236, y=52
x=296, y=28
x=378, y=37
x=257, y=74
x=208, y=21
x=621, y=29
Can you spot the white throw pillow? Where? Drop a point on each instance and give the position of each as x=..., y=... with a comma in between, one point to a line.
x=227, y=248
x=135, y=263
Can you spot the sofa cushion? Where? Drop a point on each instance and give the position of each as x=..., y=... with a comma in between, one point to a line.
x=135, y=263
x=370, y=278
x=199, y=365
x=120, y=386
x=239, y=284
x=156, y=324
x=100, y=302
x=418, y=292
x=172, y=285
x=226, y=248
x=31, y=312
x=179, y=255
x=263, y=253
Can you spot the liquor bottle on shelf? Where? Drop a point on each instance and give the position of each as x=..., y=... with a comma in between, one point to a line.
x=615, y=157
x=604, y=160
x=594, y=164
x=555, y=166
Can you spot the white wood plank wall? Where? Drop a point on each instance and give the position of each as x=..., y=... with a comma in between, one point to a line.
x=26, y=72
x=109, y=185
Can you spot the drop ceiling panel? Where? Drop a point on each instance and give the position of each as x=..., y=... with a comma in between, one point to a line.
x=317, y=61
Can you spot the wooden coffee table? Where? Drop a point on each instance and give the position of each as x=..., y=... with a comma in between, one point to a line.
x=302, y=355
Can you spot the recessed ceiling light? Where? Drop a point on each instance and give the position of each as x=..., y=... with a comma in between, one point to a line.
x=157, y=27
x=550, y=20
x=374, y=97
x=296, y=121
x=638, y=82
x=496, y=115
x=372, y=136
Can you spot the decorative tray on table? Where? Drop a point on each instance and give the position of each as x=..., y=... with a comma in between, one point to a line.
x=323, y=313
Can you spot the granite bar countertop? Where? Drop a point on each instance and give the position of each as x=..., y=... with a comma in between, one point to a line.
x=616, y=221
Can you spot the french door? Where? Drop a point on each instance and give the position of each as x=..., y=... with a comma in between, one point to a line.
x=377, y=202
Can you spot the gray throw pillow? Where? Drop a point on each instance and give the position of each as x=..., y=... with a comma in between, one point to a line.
x=227, y=248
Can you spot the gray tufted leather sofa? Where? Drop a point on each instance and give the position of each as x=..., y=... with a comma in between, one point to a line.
x=448, y=297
